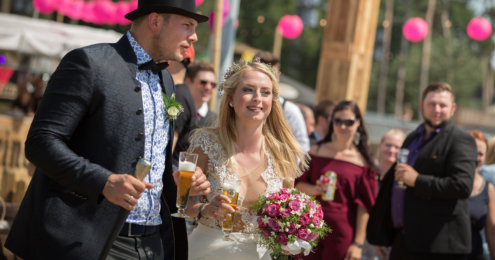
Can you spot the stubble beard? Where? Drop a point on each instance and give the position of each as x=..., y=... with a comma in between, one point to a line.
x=440, y=125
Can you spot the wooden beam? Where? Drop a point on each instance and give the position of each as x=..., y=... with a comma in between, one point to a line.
x=347, y=51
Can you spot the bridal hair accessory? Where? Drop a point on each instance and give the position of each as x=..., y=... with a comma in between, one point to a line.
x=236, y=66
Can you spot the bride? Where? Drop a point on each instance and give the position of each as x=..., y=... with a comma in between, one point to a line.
x=251, y=142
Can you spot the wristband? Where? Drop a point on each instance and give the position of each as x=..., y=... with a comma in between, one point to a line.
x=357, y=244
x=199, y=211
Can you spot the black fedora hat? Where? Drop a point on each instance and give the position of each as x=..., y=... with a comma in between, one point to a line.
x=182, y=7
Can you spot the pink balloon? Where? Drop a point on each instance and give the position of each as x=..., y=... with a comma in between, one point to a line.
x=415, y=29
x=87, y=14
x=133, y=5
x=71, y=8
x=290, y=26
x=226, y=10
x=44, y=6
x=104, y=11
x=121, y=9
x=479, y=29
x=199, y=2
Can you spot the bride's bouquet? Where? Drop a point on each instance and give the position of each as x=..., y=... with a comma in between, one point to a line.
x=290, y=221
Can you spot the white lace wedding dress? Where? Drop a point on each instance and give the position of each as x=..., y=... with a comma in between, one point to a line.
x=205, y=242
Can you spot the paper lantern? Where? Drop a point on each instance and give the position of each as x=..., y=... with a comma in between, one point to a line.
x=45, y=6
x=290, y=26
x=199, y=2
x=121, y=9
x=415, y=29
x=479, y=29
x=226, y=10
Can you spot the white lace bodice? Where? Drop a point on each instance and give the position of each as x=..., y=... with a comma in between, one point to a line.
x=217, y=171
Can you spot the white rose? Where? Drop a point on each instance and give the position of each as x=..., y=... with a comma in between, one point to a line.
x=173, y=111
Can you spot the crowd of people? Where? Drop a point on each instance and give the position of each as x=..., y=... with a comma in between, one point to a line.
x=98, y=120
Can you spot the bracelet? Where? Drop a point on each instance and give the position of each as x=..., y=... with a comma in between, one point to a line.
x=199, y=211
x=357, y=244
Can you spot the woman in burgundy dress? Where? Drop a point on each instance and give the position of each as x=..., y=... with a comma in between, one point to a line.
x=344, y=151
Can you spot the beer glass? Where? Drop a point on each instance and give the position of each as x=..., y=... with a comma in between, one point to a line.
x=230, y=189
x=187, y=167
x=402, y=158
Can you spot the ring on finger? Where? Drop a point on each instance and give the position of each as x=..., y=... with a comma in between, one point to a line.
x=129, y=200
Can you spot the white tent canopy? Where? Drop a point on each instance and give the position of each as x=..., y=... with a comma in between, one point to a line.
x=48, y=38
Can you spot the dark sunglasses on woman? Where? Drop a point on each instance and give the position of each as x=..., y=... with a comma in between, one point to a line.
x=346, y=122
x=204, y=82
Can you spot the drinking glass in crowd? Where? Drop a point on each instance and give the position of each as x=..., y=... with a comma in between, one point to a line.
x=481, y=205
x=345, y=151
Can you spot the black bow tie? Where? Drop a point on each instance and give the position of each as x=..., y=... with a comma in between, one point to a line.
x=155, y=68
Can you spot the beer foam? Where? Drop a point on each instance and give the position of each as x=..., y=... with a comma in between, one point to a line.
x=187, y=166
x=227, y=186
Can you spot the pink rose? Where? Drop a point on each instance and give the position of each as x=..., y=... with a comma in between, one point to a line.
x=295, y=204
x=260, y=222
x=312, y=205
x=272, y=210
x=266, y=232
x=284, y=191
x=272, y=223
x=304, y=219
x=284, y=213
x=313, y=236
x=316, y=222
x=284, y=196
x=302, y=234
x=319, y=212
x=292, y=228
x=274, y=196
x=282, y=239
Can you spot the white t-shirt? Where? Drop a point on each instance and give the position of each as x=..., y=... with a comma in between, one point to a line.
x=296, y=121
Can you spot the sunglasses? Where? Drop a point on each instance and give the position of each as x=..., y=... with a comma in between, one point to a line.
x=346, y=122
x=204, y=82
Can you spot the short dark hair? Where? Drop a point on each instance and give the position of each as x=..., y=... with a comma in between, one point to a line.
x=438, y=87
x=197, y=66
x=268, y=58
x=324, y=108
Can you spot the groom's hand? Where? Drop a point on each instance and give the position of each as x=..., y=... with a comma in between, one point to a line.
x=199, y=186
x=120, y=187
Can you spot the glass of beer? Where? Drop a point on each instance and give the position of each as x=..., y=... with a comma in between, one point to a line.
x=187, y=167
x=402, y=158
x=230, y=189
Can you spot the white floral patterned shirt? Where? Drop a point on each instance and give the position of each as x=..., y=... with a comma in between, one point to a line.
x=147, y=211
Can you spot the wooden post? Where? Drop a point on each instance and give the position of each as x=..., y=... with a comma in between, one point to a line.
x=277, y=44
x=347, y=51
x=6, y=6
x=217, y=44
x=401, y=72
x=387, y=35
x=425, y=59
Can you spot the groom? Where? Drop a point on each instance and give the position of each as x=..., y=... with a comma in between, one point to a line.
x=101, y=112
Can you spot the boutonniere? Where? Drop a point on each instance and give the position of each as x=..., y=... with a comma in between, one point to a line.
x=172, y=107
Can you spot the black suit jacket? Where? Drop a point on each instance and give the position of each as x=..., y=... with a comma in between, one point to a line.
x=88, y=126
x=436, y=213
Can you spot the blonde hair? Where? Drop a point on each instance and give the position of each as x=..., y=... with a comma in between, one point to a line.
x=283, y=146
x=394, y=131
x=490, y=152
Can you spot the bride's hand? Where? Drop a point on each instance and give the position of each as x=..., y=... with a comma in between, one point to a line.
x=218, y=208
